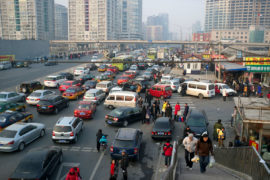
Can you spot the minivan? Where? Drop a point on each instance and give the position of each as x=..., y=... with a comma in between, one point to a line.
x=160, y=91
x=200, y=89
x=5, y=65
x=121, y=99
x=94, y=95
x=105, y=86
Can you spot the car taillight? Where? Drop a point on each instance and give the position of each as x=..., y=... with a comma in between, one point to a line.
x=37, y=99
x=27, y=98
x=111, y=148
x=153, y=133
x=71, y=134
x=169, y=133
x=95, y=98
x=165, y=133
x=75, y=112
x=115, y=119
x=106, y=117
x=174, y=86
x=11, y=142
x=50, y=106
x=135, y=99
x=135, y=150
x=38, y=105
x=53, y=133
x=90, y=112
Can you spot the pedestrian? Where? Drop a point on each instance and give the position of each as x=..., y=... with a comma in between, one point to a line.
x=237, y=88
x=259, y=91
x=113, y=172
x=203, y=148
x=168, y=111
x=183, y=89
x=139, y=88
x=177, y=109
x=167, y=151
x=233, y=116
x=124, y=164
x=140, y=102
x=143, y=114
x=148, y=114
x=224, y=94
x=221, y=136
x=245, y=90
x=157, y=102
x=73, y=174
x=164, y=107
x=146, y=94
x=187, y=131
x=217, y=125
x=268, y=95
x=244, y=141
x=186, y=111
x=190, y=146
x=154, y=111
x=237, y=142
x=99, y=136
x=149, y=99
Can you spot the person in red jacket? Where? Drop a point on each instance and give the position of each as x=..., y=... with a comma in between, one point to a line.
x=72, y=175
x=113, y=174
x=268, y=95
x=167, y=150
x=177, y=108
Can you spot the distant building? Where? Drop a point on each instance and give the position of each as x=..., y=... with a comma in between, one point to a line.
x=160, y=20
x=61, y=22
x=237, y=35
x=201, y=36
x=154, y=33
x=27, y=19
x=196, y=27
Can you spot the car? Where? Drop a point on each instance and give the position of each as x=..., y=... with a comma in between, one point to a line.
x=29, y=87
x=160, y=91
x=103, y=77
x=67, y=84
x=129, y=86
x=85, y=110
x=113, y=69
x=5, y=65
x=35, y=96
x=85, y=77
x=142, y=66
x=91, y=67
x=156, y=67
x=163, y=128
x=105, y=86
x=197, y=122
x=102, y=68
x=134, y=67
x=10, y=117
x=4, y=106
x=80, y=71
x=73, y=93
x=147, y=75
x=110, y=74
x=123, y=116
x=173, y=84
x=179, y=79
x=90, y=84
x=94, y=95
x=17, y=135
x=20, y=64
x=130, y=74
x=67, y=75
x=12, y=97
x=122, y=79
x=54, y=81
x=220, y=87
x=128, y=139
x=144, y=84
x=50, y=63
x=38, y=164
x=166, y=78
x=67, y=129
x=52, y=104
x=115, y=89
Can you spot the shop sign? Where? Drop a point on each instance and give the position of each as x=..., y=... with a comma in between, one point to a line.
x=217, y=56
x=7, y=57
x=255, y=61
x=258, y=68
x=206, y=56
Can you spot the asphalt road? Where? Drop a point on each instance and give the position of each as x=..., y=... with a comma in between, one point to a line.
x=94, y=165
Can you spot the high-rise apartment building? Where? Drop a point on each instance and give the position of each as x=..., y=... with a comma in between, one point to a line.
x=160, y=20
x=61, y=22
x=154, y=33
x=129, y=19
x=92, y=19
x=27, y=19
x=231, y=14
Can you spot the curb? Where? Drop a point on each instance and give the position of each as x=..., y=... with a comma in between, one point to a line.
x=234, y=173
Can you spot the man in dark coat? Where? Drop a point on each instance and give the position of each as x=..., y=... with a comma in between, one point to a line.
x=124, y=164
x=186, y=111
x=168, y=111
x=99, y=135
x=154, y=111
x=187, y=131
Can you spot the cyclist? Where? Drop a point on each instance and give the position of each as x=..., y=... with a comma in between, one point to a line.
x=103, y=141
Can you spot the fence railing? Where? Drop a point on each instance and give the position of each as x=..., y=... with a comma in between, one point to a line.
x=169, y=174
x=243, y=159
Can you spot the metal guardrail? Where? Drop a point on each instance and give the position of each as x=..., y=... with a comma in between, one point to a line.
x=245, y=160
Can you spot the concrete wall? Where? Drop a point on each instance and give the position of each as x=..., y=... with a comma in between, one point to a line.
x=23, y=49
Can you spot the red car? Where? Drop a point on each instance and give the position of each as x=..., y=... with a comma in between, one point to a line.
x=130, y=74
x=160, y=91
x=113, y=69
x=66, y=84
x=122, y=80
x=85, y=110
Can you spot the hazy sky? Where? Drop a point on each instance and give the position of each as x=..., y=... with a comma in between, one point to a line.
x=182, y=13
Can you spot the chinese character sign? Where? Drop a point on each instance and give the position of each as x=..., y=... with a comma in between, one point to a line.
x=255, y=61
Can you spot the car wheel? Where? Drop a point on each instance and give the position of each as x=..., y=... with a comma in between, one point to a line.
x=125, y=123
x=55, y=110
x=200, y=96
x=42, y=133
x=110, y=107
x=21, y=146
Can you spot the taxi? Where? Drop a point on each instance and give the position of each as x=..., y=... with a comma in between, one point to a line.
x=73, y=92
x=85, y=110
x=11, y=117
x=4, y=106
x=102, y=68
x=122, y=80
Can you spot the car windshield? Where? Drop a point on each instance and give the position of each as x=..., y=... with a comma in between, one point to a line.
x=148, y=73
x=123, y=77
x=3, y=96
x=62, y=129
x=101, y=85
x=66, y=83
x=102, y=67
x=116, y=113
x=71, y=90
x=197, y=121
x=123, y=143
x=35, y=94
x=225, y=87
x=80, y=68
x=162, y=125
x=84, y=106
x=50, y=79
x=7, y=133
x=89, y=83
x=90, y=95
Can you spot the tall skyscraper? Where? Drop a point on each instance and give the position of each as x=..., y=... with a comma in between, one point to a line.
x=160, y=20
x=61, y=22
x=196, y=27
x=27, y=19
x=92, y=19
x=232, y=14
x=129, y=19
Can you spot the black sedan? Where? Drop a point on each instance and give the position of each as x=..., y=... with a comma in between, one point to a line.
x=163, y=128
x=142, y=66
x=197, y=121
x=38, y=164
x=90, y=84
x=85, y=77
x=123, y=116
x=50, y=63
x=52, y=104
x=67, y=75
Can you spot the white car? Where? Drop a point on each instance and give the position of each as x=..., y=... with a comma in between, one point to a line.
x=133, y=68
x=54, y=81
x=81, y=71
x=166, y=78
x=12, y=97
x=224, y=87
x=117, y=88
x=156, y=67
x=35, y=96
x=173, y=84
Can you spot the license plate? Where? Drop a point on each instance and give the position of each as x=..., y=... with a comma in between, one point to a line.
x=44, y=107
x=62, y=141
x=1, y=144
x=32, y=100
x=109, y=122
x=82, y=113
x=160, y=133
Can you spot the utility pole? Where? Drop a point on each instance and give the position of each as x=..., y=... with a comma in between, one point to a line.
x=219, y=65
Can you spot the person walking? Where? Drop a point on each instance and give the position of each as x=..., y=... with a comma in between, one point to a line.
x=190, y=146
x=157, y=102
x=259, y=90
x=99, y=136
x=221, y=136
x=113, y=170
x=224, y=94
x=148, y=114
x=154, y=111
x=217, y=125
x=149, y=99
x=124, y=164
x=186, y=111
x=140, y=102
x=203, y=149
x=146, y=94
x=187, y=131
x=177, y=108
x=143, y=114
x=164, y=108
x=168, y=111
x=233, y=116
x=167, y=151
x=237, y=142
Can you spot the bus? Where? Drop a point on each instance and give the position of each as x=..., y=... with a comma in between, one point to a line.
x=122, y=62
x=152, y=53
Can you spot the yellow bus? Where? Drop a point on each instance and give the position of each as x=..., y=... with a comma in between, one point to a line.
x=122, y=62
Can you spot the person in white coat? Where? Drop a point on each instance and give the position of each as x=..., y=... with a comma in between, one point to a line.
x=190, y=145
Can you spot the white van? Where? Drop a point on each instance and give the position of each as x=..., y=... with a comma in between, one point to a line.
x=105, y=86
x=5, y=65
x=121, y=99
x=200, y=89
x=224, y=87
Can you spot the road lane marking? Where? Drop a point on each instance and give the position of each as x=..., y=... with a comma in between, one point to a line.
x=96, y=167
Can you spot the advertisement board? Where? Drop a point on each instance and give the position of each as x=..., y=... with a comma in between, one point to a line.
x=255, y=61
x=7, y=57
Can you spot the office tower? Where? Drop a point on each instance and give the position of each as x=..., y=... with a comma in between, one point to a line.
x=61, y=22
x=160, y=20
x=154, y=33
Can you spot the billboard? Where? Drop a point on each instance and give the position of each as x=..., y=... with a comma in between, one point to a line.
x=7, y=57
x=257, y=61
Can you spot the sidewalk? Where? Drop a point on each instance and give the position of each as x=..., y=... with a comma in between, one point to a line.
x=209, y=76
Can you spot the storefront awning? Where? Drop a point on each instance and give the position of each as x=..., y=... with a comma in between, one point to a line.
x=232, y=66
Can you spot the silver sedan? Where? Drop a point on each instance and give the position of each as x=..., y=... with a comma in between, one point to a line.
x=16, y=136
x=11, y=97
